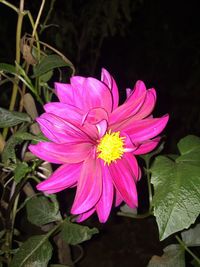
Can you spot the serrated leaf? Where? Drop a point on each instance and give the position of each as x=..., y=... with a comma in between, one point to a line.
x=74, y=234
x=35, y=252
x=20, y=171
x=49, y=63
x=12, y=118
x=173, y=256
x=42, y=210
x=191, y=237
x=177, y=188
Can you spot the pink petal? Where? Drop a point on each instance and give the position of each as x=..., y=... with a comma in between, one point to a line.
x=104, y=204
x=145, y=129
x=132, y=105
x=95, y=115
x=129, y=145
x=148, y=105
x=65, y=176
x=89, y=186
x=65, y=93
x=110, y=82
x=82, y=217
x=64, y=111
x=102, y=127
x=61, y=153
x=61, y=131
x=124, y=180
x=96, y=94
x=147, y=146
x=118, y=198
x=133, y=165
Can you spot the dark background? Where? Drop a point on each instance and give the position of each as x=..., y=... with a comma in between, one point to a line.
x=152, y=40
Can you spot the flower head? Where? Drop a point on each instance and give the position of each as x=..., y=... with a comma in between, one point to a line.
x=96, y=141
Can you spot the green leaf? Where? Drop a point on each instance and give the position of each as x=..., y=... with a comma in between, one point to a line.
x=12, y=118
x=74, y=234
x=173, y=256
x=8, y=153
x=7, y=68
x=35, y=252
x=177, y=188
x=191, y=237
x=20, y=171
x=46, y=76
x=50, y=62
x=42, y=210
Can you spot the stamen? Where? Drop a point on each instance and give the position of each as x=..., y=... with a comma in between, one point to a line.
x=111, y=147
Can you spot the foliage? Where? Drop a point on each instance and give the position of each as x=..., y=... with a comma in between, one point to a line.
x=173, y=180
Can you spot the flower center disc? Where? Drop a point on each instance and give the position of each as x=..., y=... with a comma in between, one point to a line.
x=111, y=147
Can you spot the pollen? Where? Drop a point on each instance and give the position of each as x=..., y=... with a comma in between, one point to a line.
x=110, y=147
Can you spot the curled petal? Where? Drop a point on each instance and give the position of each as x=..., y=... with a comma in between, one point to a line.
x=104, y=204
x=147, y=146
x=110, y=82
x=89, y=186
x=102, y=127
x=64, y=177
x=123, y=175
x=95, y=115
x=61, y=153
x=145, y=129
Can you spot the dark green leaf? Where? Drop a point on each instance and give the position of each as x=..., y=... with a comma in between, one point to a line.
x=46, y=76
x=12, y=118
x=177, y=188
x=20, y=171
x=50, y=62
x=58, y=265
x=16, y=139
x=191, y=237
x=8, y=68
x=35, y=252
x=173, y=256
x=42, y=210
x=73, y=233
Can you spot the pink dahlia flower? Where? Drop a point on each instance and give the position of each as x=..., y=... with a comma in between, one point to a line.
x=96, y=141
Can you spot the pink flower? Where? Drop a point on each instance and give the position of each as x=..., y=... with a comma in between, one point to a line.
x=96, y=141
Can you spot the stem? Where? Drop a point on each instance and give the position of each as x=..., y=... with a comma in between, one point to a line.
x=9, y=5
x=17, y=58
x=38, y=18
x=149, y=185
x=183, y=245
x=43, y=26
x=2, y=143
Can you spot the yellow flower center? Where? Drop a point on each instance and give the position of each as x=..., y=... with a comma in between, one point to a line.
x=111, y=147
